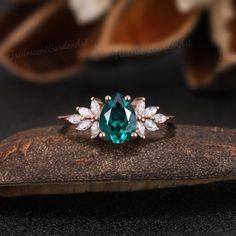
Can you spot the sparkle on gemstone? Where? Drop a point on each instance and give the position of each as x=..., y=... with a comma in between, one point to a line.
x=118, y=119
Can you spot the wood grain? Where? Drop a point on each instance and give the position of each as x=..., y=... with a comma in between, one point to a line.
x=53, y=160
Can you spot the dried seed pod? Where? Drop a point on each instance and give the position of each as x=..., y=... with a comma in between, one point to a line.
x=137, y=27
x=54, y=161
x=66, y=43
x=189, y=5
x=87, y=11
x=43, y=48
x=129, y=27
x=211, y=54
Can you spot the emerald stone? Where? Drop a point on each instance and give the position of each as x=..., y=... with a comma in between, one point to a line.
x=118, y=119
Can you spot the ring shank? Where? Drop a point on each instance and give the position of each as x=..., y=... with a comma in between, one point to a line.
x=170, y=121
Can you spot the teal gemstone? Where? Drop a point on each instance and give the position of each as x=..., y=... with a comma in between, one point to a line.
x=118, y=120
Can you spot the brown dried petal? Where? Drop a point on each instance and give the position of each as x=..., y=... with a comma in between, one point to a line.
x=188, y=5
x=45, y=47
x=16, y=15
x=202, y=57
x=137, y=26
x=88, y=11
x=52, y=161
x=211, y=55
x=227, y=34
x=221, y=14
x=232, y=29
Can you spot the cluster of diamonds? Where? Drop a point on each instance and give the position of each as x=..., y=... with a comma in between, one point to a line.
x=147, y=118
x=88, y=118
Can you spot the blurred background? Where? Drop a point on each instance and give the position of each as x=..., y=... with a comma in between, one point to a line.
x=55, y=55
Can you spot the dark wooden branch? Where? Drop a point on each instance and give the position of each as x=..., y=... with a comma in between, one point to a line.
x=56, y=161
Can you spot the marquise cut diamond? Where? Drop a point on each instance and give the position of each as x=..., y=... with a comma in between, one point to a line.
x=150, y=111
x=95, y=108
x=160, y=118
x=85, y=112
x=141, y=129
x=74, y=119
x=95, y=129
x=84, y=125
x=150, y=125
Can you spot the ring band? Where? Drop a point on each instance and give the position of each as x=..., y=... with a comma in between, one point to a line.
x=118, y=119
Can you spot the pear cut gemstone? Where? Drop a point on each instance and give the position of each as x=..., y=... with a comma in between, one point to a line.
x=118, y=120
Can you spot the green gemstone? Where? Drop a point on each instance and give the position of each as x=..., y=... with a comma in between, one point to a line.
x=118, y=120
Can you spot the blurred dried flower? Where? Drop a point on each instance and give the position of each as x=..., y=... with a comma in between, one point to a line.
x=188, y=5
x=46, y=40
x=212, y=51
x=87, y=11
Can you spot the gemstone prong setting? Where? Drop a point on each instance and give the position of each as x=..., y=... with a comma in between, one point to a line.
x=134, y=135
x=102, y=135
x=107, y=98
x=127, y=98
x=118, y=119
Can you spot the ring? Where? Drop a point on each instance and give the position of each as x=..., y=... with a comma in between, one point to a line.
x=118, y=119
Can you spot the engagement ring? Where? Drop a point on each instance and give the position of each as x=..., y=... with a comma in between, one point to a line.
x=118, y=119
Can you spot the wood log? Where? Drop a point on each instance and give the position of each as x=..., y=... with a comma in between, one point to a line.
x=53, y=160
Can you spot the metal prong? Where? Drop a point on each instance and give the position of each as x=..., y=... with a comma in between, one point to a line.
x=134, y=135
x=143, y=118
x=127, y=98
x=107, y=98
x=140, y=98
x=99, y=101
x=139, y=118
x=102, y=135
